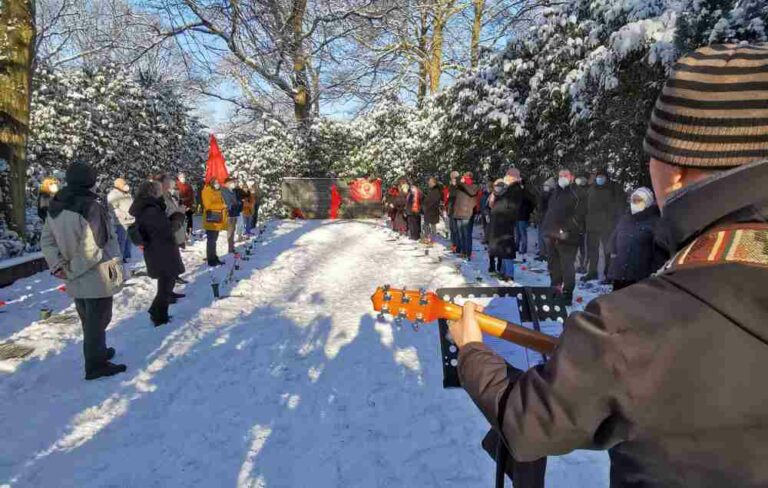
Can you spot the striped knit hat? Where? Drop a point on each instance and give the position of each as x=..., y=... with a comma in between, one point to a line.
x=713, y=110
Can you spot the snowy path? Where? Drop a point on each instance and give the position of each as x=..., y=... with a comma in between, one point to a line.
x=289, y=382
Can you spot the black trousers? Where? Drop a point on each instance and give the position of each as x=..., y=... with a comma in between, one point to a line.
x=190, y=221
x=414, y=227
x=159, y=308
x=255, y=217
x=594, y=239
x=210, y=248
x=561, y=262
x=95, y=315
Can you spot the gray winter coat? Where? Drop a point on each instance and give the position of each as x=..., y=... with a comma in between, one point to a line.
x=175, y=213
x=84, y=246
x=119, y=203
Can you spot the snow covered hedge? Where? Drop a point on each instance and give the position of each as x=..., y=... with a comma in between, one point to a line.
x=123, y=126
x=577, y=88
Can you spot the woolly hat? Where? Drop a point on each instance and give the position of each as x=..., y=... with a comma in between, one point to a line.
x=713, y=110
x=81, y=174
x=646, y=194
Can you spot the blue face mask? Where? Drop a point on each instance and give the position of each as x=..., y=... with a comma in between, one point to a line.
x=600, y=180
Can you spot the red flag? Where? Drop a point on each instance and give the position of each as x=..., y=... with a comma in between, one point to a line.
x=215, y=167
x=335, y=202
x=363, y=190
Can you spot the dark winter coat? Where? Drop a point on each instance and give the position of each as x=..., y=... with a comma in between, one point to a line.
x=161, y=251
x=634, y=253
x=605, y=205
x=565, y=216
x=414, y=202
x=399, y=201
x=43, y=201
x=527, y=206
x=432, y=200
x=669, y=374
x=504, y=215
x=465, y=201
x=542, y=205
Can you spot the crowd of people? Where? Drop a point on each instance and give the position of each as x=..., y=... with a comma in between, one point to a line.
x=88, y=243
x=584, y=222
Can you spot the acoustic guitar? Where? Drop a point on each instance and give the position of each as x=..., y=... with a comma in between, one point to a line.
x=420, y=307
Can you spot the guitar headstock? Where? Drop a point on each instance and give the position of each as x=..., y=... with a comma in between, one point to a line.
x=417, y=306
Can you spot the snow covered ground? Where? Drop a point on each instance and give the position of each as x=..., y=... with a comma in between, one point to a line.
x=288, y=382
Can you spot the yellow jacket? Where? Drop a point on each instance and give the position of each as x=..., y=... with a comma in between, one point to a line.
x=248, y=203
x=213, y=206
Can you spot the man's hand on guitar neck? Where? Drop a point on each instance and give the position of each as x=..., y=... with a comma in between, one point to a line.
x=467, y=329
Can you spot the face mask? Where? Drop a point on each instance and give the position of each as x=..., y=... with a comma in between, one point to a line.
x=600, y=180
x=182, y=179
x=547, y=189
x=231, y=186
x=216, y=186
x=498, y=189
x=563, y=182
x=126, y=188
x=53, y=188
x=404, y=188
x=581, y=181
x=637, y=207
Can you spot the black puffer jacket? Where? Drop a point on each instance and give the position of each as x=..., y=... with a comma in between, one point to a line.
x=527, y=206
x=565, y=216
x=161, y=252
x=431, y=205
x=634, y=253
x=504, y=215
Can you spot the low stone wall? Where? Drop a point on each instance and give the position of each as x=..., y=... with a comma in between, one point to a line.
x=22, y=267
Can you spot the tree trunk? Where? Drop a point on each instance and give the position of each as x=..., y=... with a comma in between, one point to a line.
x=422, y=36
x=17, y=41
x=436, y=55
x=302, y=106
x=477, y=27
x=315, y=72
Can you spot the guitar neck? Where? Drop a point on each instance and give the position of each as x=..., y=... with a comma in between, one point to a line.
x=542, y=343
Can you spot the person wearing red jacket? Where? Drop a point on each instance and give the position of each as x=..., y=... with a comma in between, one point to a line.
x=187, y=199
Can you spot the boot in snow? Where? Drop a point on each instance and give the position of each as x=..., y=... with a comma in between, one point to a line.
x=107, y=369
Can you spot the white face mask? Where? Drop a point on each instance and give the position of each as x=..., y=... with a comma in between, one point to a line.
x=231, y=186
x=182, y=178
x=126, y=188
x=216, y=186
x=637, y=207
x=53, y=188
x=581, y=181
x=563, y=182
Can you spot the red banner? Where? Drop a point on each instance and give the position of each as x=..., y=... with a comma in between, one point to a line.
x=216, y=167
x=363, y=190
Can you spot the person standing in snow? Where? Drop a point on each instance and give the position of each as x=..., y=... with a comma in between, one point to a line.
x=505, y=207
x=234, y=207
x=463, y=211
x=605, y=205
x=258, y=196
x=547, y=189
x=399, y=203
x=176, y=215
x=563, y=225
x=582, y=188
x=48, y=188
x=80, y=246
x=527, y=206
x=215, y=218
x=634, y=252
x=450, y=207
x=161, y=247
x=119, y=200
x=249, y=205
x=668, y=374
x=432, y=203
x=413, y=212
x=187, y=200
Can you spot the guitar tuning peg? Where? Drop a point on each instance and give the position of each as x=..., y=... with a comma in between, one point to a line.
x=386, y=288
x=381, y=317
x=387, y=297
x=405, y=299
